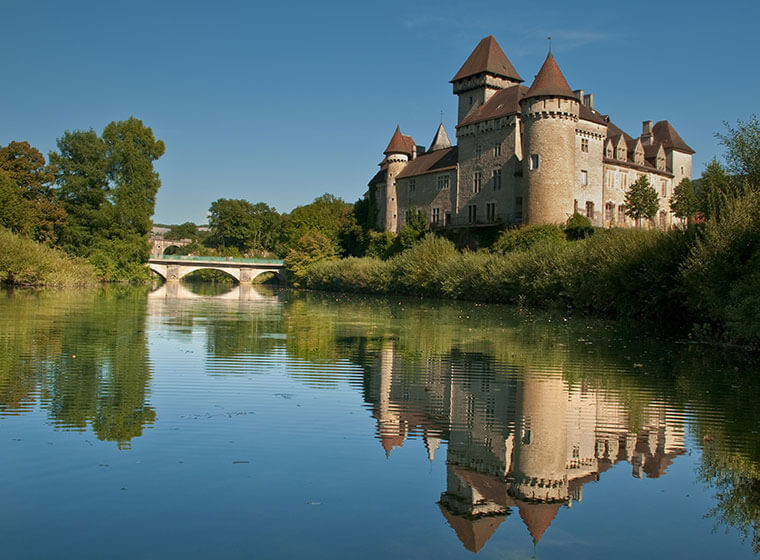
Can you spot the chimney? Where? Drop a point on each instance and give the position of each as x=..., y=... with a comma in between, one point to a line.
x=646, y=132
x=579, y=93
x=588, y=100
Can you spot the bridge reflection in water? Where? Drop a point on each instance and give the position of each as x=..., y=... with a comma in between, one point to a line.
x=524, y=443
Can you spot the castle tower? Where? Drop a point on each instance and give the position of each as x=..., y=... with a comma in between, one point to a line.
x=486, y=71
x=539, y=473
x=440, y=140
x=550, y=115
x=398, y=153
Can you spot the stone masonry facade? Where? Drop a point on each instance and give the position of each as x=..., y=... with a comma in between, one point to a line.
x=525, y=155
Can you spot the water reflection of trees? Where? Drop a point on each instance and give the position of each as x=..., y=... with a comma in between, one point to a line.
x=82, y=355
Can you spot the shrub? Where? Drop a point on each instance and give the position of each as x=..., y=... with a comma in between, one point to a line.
x=423, y=269
x=722, y=274
x=578, y=227
x=25, y=262
x=521, y=239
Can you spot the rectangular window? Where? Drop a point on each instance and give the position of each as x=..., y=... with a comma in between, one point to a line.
x=584, y=144
x=584, y=177
x=443, y=182
x=476, y=180
x=664, y=187
x=435, y=217
x=412, y=185
x=621, y=213
x=472, y=213
x=609, y=210
x=662, y=218
x=478, y=150
x=491, y=212
x=496, y=179
x=533, y=162
x=447, y=218
x=589, y=209
x=497, y=150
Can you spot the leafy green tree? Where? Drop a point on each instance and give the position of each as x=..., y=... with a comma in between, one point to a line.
x=641, y=201
x=743, y=150
x=31, y=181
x=684, y=202
x=14, y=208
x=131, y=150
x=413, y=230
x=313, y=246
x=245, y=226
x=327, y=215
x=83, y=188
x=716, y=191
x=188, y=230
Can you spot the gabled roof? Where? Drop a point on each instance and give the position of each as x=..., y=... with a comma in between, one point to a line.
x=487, y=57
x=431, y=162
x=550, y=81
x=503, y=103
x=614, y=134
x=665, y=133
x=400, y=144
x=441, y=140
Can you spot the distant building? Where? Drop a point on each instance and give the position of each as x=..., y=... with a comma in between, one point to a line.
x=527, y=155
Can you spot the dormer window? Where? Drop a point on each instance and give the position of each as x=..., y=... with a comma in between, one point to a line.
x=609, y=152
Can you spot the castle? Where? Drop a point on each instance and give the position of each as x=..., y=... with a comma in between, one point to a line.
x=525, y=155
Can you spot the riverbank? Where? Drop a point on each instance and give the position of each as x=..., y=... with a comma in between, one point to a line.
x=698, y=280
x=24, y=262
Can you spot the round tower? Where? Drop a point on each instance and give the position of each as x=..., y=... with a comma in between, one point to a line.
x=540, y=456
x=550, y=115
x=400, y=149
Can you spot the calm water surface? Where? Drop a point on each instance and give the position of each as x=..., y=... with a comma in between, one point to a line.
x=263, y=424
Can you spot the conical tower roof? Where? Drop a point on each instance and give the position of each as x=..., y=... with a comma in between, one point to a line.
x=550, y=81
x=400, y=144
x=440, y=140
x=487, y=57
x=538, y=517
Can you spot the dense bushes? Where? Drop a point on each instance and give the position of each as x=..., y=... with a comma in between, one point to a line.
x=617, y=272
x=24, y=262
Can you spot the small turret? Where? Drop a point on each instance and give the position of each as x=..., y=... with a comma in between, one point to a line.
x=400, y=150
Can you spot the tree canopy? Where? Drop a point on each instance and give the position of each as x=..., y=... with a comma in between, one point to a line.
x=641, y=200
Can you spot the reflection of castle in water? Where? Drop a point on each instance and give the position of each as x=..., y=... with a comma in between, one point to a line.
x=526, y=442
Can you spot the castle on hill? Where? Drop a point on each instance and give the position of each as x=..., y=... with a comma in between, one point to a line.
x=525, y=155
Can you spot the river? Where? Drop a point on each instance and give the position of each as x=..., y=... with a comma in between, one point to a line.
x=247, y=422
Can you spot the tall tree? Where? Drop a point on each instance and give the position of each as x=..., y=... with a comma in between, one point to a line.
x=131, y=150
x=29, y=182
x=641, y=200
x=684, y=203
x=743, y=150
x=245, y=226
x=83, y=188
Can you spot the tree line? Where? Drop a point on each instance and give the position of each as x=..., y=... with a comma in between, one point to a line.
x=94, y=197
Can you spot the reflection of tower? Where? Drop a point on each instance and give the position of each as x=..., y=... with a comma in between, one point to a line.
x=389, y=424
x=539, y=472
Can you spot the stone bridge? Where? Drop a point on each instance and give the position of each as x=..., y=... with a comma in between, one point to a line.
x=159, y=245
x=173, y=268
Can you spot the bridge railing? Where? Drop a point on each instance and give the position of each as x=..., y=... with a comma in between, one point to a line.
x=274, y=262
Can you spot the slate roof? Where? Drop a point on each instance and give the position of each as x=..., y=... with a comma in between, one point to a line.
x=380, y=177
x=431, y=162
x=440, y=140
x=665, y=133
x=487, y=57
x=503, y=103
x=550, y=81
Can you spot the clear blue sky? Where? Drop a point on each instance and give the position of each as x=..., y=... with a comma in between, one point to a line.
x=282, y=101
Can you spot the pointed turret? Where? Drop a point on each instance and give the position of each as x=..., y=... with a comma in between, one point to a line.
x=440, y=140
x=486, y=71
x=550, y=81
x=537, y=518
x=487, y=57
x=399, y=144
